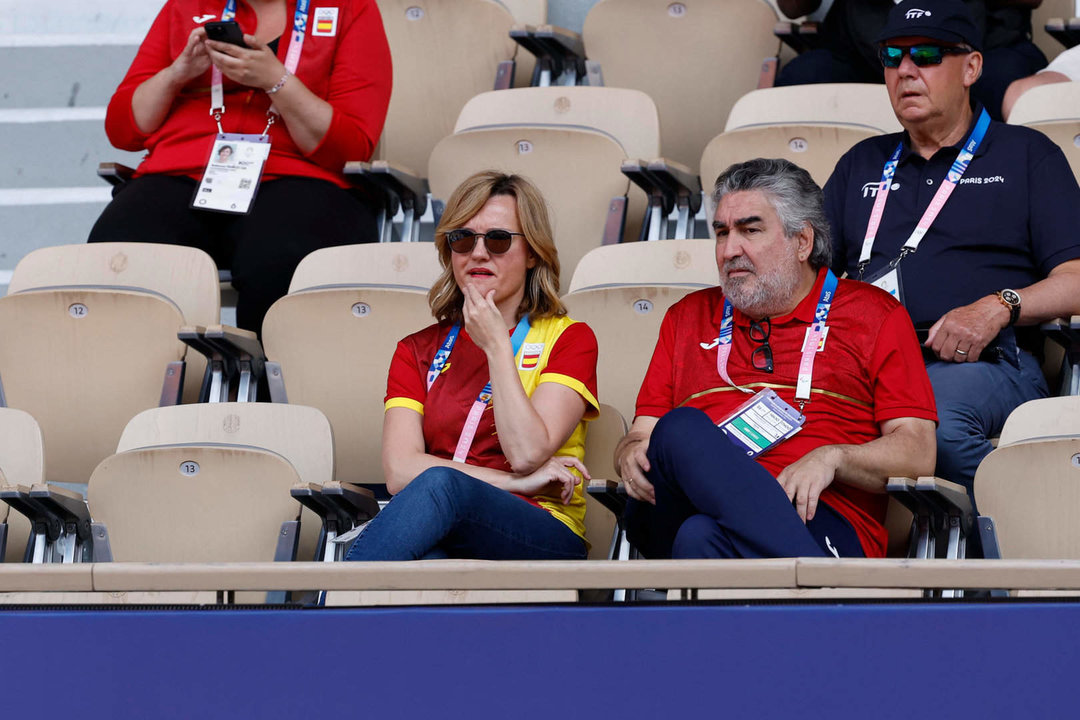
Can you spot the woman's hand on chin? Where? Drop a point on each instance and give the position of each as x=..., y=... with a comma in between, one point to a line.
x=483, y=321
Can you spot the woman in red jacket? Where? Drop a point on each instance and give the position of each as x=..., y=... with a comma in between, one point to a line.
x=308, y=93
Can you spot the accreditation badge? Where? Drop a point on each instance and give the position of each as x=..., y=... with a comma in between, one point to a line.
x=761, y=422
x=889, y=280
x=232, y=173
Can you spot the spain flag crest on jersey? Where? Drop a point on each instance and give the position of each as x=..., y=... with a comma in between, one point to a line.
x=530, y=356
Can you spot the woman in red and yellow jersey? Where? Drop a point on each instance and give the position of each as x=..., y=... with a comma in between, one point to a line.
x=484, y=431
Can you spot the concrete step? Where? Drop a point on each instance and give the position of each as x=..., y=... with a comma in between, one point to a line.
x=47, y=77
x=55, y=154
x=27, y=227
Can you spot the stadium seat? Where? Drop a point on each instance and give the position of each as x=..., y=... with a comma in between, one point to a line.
x=601, y=526
x=444, y=52
x=629, y=117
x=22, y=458
x=91, y=340
x=577, y=171
x=858, y=104
x=330, y=340
x=1044, y=419
x=693, y=57
x=622, y=292
x=1050, y=25
x=300, y=434
x=815, y=148
x=1053, y=110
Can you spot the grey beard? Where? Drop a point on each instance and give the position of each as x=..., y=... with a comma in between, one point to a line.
x=761, y=295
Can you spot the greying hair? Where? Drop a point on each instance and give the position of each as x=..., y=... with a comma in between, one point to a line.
x=794, y=195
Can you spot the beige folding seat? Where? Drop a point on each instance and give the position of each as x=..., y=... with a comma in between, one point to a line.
x=693, y=57
x=300, y=434
x=444, y=52
x=22, y=462
x=622, y=292
x=90, y=333
x=1043, y=419
x=810, y=125
x=576, y=170
x=629, y=117
x=1031, y=490
x=860, y=104
x=331, y=339
x=1053, y=110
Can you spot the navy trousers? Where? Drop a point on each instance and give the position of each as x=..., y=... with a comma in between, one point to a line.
x=712, y=501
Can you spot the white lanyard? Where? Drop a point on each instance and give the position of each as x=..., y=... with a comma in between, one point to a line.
x=292, y=60
x=810, y=347
x=952, y=179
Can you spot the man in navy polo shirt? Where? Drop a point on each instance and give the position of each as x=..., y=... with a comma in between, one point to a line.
x=974, y=225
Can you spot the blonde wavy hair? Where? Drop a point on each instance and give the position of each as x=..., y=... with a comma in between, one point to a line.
x=541, y=281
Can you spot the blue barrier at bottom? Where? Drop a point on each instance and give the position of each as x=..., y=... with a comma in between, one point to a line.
x=762, y=661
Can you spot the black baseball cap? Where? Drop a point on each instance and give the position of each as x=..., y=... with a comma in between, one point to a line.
x=945, y=20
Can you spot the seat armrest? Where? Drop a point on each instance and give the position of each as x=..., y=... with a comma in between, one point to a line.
x=1065, y=30
x=68, y=505
x=638, y=173
x=235, y=341
x=680, y=181
x=411, y=190
x=946, y=497
x=609, y=493
x=558, y=51
x=40, y=516
x=357, y=500
x=567, y=43
x=115, y=173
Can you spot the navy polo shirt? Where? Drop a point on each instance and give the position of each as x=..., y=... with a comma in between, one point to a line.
x=1013, y=218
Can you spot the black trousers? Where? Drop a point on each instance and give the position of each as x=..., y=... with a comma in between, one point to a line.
x=290, y=218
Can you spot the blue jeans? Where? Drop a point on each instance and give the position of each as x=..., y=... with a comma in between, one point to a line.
x=712, y=501
x=445, y=513
x=973, y=400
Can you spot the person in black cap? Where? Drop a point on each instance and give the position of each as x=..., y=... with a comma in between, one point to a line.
x=848, y=51
x=971, y=223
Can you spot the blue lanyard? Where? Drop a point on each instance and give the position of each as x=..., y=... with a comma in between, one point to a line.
x=436, y=368
x=952, y=179
x=806, y=367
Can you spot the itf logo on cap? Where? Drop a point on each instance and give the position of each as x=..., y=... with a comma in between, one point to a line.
x=916, y=13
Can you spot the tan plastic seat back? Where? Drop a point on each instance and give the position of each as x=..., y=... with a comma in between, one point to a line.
x=689, y=262
x=1048, y=9
x=404, y=265
x=22, y=462
x=157, y=510
x=628, y=116
x=694, y=58
x=626, y=317
x=83, y=362
x=577, y=171
x=1044, y=419
x=603, y=435
x=850, y=104
x=815, y=148
x=1047, y=103
x=335, y=347
x=186, y=276
x=1031, y=490
x=1065, y=134
x=298, y=433
x=444, y=52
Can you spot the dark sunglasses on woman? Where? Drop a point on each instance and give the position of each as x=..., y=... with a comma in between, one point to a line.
x=922, y=55
x=496, y=241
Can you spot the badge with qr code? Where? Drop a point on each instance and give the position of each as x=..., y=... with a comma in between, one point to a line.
x=232, y=173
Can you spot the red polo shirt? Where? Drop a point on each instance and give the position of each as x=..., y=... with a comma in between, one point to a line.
x=869, y=370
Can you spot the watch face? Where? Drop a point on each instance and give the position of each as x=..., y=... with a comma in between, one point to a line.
x=1010, y=296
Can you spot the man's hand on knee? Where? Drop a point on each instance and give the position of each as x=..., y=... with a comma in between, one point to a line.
x=964, y=332
x=805, y=479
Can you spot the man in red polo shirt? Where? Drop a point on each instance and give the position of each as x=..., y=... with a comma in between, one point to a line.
x=777, y=405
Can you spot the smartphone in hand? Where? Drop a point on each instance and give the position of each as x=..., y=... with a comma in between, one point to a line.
x=227, y=31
